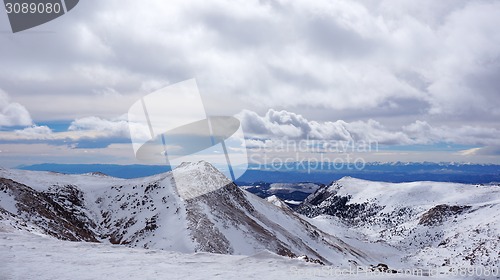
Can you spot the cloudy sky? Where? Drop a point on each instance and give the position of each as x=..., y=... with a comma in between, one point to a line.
x=419, y=78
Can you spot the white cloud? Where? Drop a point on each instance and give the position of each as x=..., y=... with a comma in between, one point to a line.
x=423, y=133
x=35, y=132
x=99, y=131
x=11, y=113
x=492, y=151
x=376, y=57
x=104, y=128
x=405, y=72
x=115, y=128
x=288, y=125
x=466, y=64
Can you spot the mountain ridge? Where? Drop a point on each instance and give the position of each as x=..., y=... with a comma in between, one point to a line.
x=191, y=209
x=431, y=224
x=195, y=208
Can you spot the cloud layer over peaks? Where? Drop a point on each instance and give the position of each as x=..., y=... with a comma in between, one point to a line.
x=288, y=125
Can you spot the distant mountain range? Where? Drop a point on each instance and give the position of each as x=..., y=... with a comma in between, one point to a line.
x=322, y=174
x=114, y=170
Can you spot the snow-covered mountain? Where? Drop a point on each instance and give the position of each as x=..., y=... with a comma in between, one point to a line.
x=195, y=208
x=429, y=224
x=201, y=210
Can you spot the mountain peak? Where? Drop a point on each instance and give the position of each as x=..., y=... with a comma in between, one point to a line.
x=193, y=179
x=189, y=163
x=202, y=166
x=206, y=213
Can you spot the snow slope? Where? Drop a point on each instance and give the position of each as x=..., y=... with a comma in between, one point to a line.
x=29, y=256
x=424, y=224
x=166, y=221
x=192, y=209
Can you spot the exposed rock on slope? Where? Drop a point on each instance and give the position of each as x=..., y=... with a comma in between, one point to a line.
x=198, y=209
x=430, y=223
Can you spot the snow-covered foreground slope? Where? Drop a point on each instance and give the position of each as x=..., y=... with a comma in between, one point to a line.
x=35, y=256
x=202, y=212
x=422, y=224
